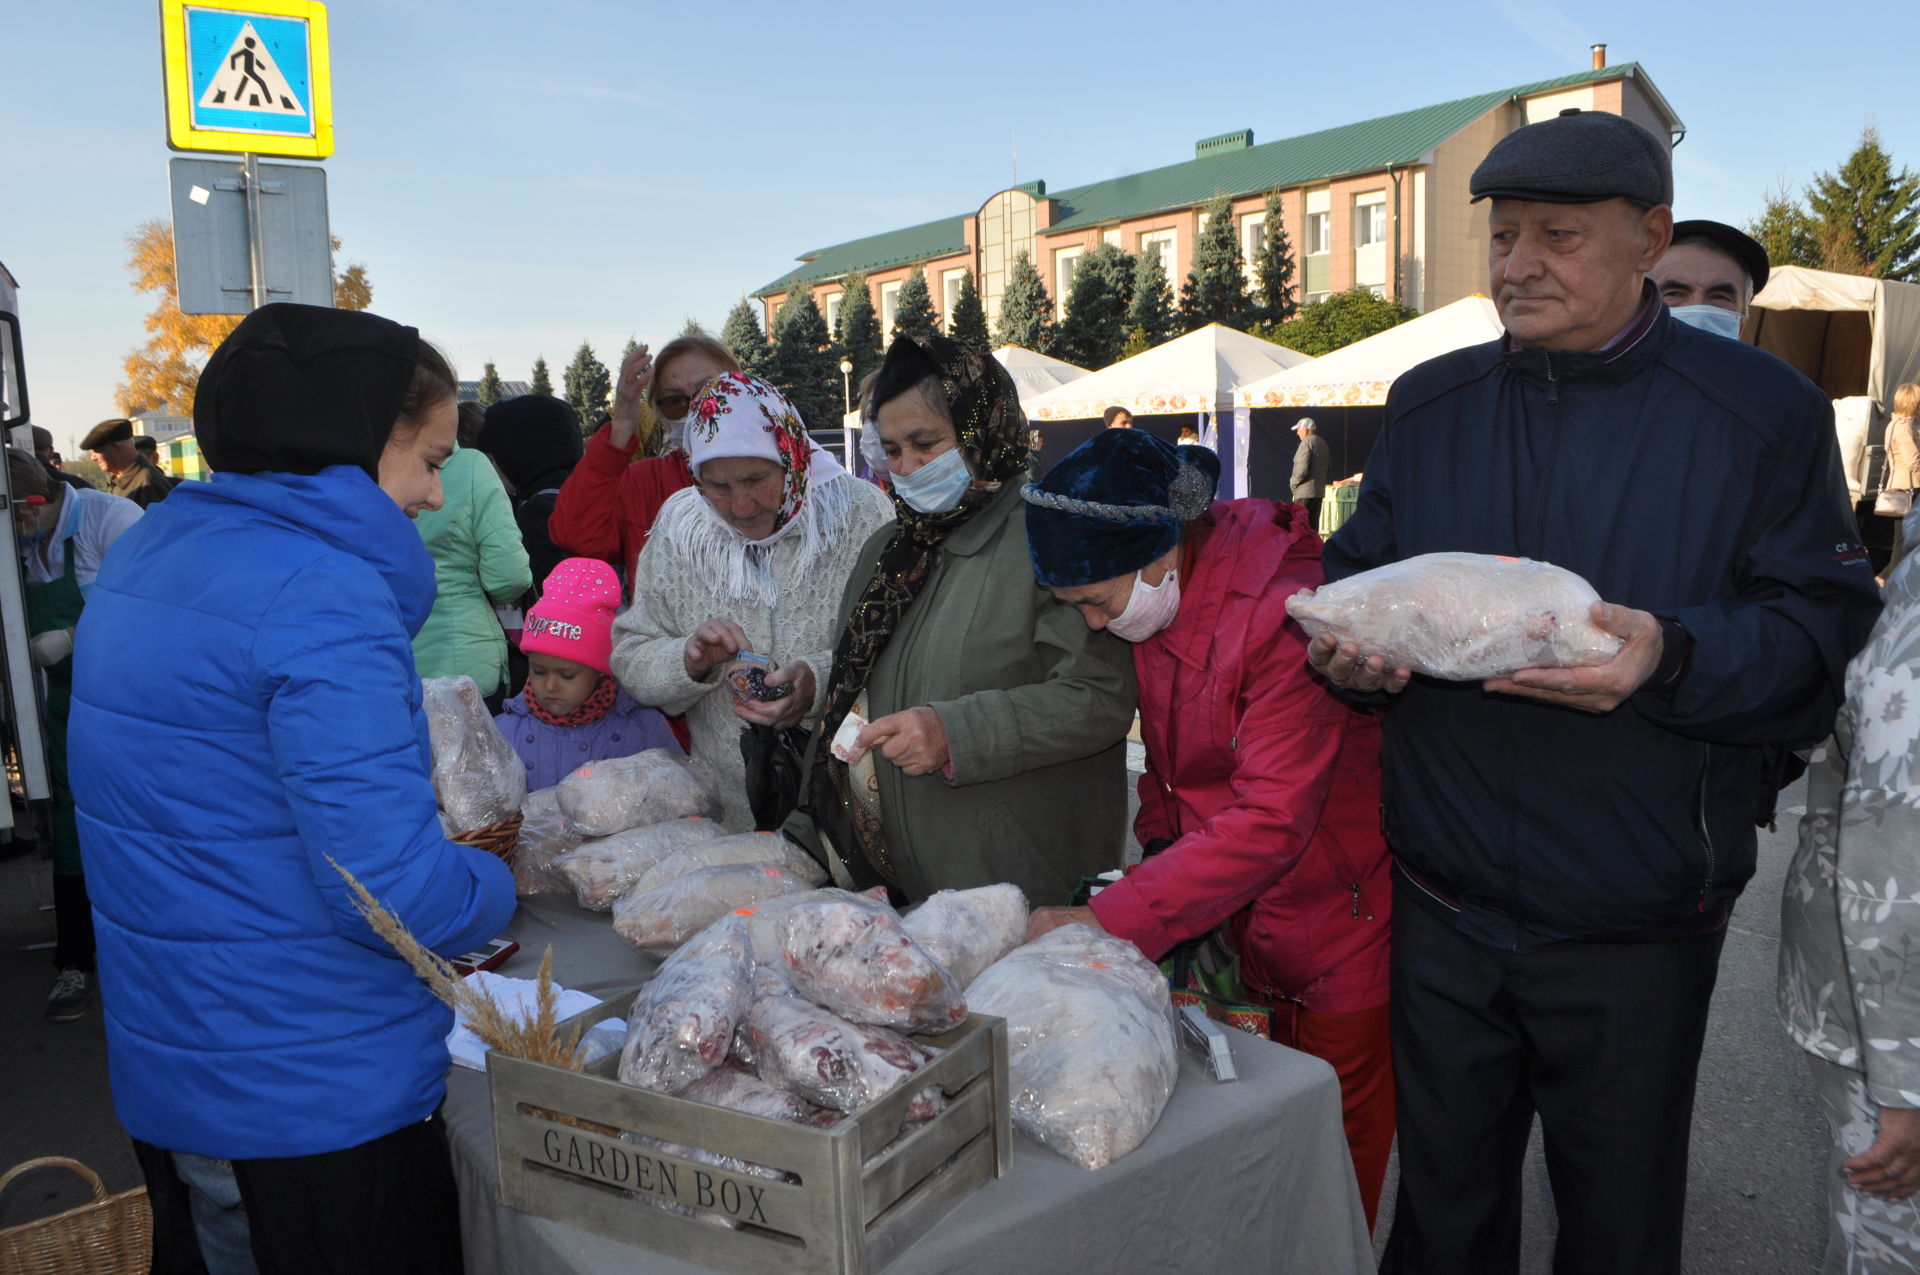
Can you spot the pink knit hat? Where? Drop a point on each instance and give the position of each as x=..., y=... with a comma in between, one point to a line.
x=573, y=619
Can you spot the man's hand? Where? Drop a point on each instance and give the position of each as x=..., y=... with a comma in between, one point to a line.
x=714, y=642
x=787, y=711
x=49, y=648
x=627, y=391
x=1600, y=688
x=1044, y=919
x=1890, y=1168
x=1347, y=668
x=914, y=740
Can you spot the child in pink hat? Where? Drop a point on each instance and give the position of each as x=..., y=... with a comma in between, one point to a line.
x=572, y=711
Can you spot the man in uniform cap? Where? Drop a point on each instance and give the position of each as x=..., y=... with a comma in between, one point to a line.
x=1709, y=276
x=134, y=476
x=1569, y=842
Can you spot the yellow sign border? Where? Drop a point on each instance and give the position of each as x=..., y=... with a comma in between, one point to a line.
x=183, y=136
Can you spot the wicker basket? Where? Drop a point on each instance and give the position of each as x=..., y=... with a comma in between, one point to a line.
x=111, y=1236
x=496, y=839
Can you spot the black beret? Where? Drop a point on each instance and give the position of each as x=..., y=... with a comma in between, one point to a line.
x=107, y=433
x=297, y=388
x=1736, y=244
x=1578, y=157
x=1113, y=505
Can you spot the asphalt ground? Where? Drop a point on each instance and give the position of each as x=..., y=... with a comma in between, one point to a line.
x=1758, y=1152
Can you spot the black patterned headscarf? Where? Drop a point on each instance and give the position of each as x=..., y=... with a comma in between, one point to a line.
x=992, y=431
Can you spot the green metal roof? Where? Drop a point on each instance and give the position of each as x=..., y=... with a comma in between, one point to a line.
x=1368, y=146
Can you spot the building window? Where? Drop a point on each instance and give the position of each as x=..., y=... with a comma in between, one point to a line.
x=950, y=283
x=1318, y=239
x=1253, y=237
x=1370, y=219
x=889, y=306
x=833, y=311
x=1065, y=262
x=1316, y=296
x=1163, y=242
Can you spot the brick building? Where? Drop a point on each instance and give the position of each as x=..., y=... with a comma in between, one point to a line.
x=1381, y=204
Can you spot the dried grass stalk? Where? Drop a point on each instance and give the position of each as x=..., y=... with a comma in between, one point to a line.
x=532, y=1034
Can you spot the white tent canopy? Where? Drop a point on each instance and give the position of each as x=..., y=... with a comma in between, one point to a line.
x=1034, y=374
x=1360, y=374
x=1198, y=372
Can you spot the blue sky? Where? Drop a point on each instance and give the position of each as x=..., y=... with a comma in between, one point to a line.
x=517, y=178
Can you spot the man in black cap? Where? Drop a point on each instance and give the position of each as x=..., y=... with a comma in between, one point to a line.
x=1710, y=275
x=134, y=477
x=1569, y=842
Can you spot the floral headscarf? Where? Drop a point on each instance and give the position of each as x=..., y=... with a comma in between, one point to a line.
x=992, y=434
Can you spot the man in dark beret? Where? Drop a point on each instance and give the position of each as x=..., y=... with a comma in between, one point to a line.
x=1569, y=842
x=1710, y=274
x=134, y=476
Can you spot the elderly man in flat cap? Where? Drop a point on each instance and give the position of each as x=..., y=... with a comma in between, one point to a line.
x=1569, y=842
x=1710, y=274
x=134, y=476
x=1311, y=459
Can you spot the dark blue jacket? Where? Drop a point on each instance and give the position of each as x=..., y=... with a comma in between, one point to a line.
x=1686, y=475
x=250, y=1010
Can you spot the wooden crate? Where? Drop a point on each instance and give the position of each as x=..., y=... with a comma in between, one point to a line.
x=857, y=1204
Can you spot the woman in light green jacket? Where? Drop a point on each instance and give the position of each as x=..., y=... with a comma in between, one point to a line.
x=995, y=749
x=479, y=563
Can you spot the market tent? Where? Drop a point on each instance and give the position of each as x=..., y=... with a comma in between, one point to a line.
x=1034, y=374
x=1361, y=374
x=1198, y=372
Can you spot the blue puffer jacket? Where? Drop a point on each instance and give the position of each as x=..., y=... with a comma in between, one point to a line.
x=1686, y=475
x=250, y=1010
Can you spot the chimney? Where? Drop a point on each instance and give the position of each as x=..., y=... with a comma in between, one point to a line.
x=1599, y=56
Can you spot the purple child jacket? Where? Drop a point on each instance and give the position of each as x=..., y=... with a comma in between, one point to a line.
x=551, y=753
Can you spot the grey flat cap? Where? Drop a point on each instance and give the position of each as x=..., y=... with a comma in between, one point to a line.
x=1578, y=157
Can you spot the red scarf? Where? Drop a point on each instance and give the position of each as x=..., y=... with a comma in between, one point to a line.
x=591, y=709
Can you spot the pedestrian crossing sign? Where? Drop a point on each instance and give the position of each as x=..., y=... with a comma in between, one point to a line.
x=248, y=76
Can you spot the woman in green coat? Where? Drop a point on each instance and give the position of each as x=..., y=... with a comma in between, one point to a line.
x=994, y=748
x=479, y=563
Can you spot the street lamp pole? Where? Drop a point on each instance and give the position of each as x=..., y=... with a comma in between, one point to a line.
x=846, y=403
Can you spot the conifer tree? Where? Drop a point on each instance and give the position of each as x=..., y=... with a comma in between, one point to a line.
x=541, y=383
x=490, y=390
x=1026, y=312
x=1151, y=312
x=913, y=313
x=588, y=386
x=1274, y=300
x=742, y=334
x=969, y=321
x=803, y=364
x=1868, y=214
x=859, y=331
x=1215, y=290
x=1094, y=327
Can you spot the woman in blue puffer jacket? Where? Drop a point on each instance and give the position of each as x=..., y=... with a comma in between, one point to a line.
x=252, y=1015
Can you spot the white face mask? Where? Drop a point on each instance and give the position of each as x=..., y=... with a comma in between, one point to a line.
x=936, y=486
x=1149, y=610
x=676, y=433
x=1710, y=318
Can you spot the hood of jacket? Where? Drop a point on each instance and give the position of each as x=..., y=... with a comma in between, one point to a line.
x=535, y=439
x=1245, y=545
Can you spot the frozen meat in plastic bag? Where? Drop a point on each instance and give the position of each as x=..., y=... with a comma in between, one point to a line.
x=601, y=870
x=605, y=797
x=968, y=930
x=850, y=953
x=831, y=1062
x=735, y=1087
x=741, y=847
x=477, y=777
x=1461, y=617
x=668, y=915
x=683, y=1021
x=545, y=834
x=1090, y=1044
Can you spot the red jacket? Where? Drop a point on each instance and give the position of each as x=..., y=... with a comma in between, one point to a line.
x=1268, y=786
x=607, y=505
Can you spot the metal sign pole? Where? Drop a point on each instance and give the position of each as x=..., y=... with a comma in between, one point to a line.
x=256, y=230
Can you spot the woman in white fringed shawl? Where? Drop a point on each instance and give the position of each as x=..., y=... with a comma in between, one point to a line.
x=752, y=557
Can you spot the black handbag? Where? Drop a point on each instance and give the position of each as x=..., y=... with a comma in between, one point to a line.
x=776, y=772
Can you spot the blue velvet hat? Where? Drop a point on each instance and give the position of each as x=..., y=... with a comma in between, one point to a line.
x=1114, y=505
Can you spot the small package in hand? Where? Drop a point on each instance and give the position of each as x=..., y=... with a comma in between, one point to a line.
x=845, y=746
x=747, y=679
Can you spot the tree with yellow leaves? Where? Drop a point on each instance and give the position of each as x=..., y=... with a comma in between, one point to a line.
x=162, y=374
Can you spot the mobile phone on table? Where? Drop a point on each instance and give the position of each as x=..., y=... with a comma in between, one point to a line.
x=489, y=957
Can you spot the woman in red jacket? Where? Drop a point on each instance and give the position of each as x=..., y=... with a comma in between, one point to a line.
x=1263, y=787
x=607, y=505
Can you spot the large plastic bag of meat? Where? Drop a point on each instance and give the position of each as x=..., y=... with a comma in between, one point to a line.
x=545, y=834
x=601, y=870
x=683, y=1021
x=767, y=922
x=968, y=930
x=829, y=1061
x=477, y=777
x=1461, y=617
x=668, y=915
x=735, y=1087
x=741, y=847
x=849, y=953
x=1090, y=1045
x=605, y=797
